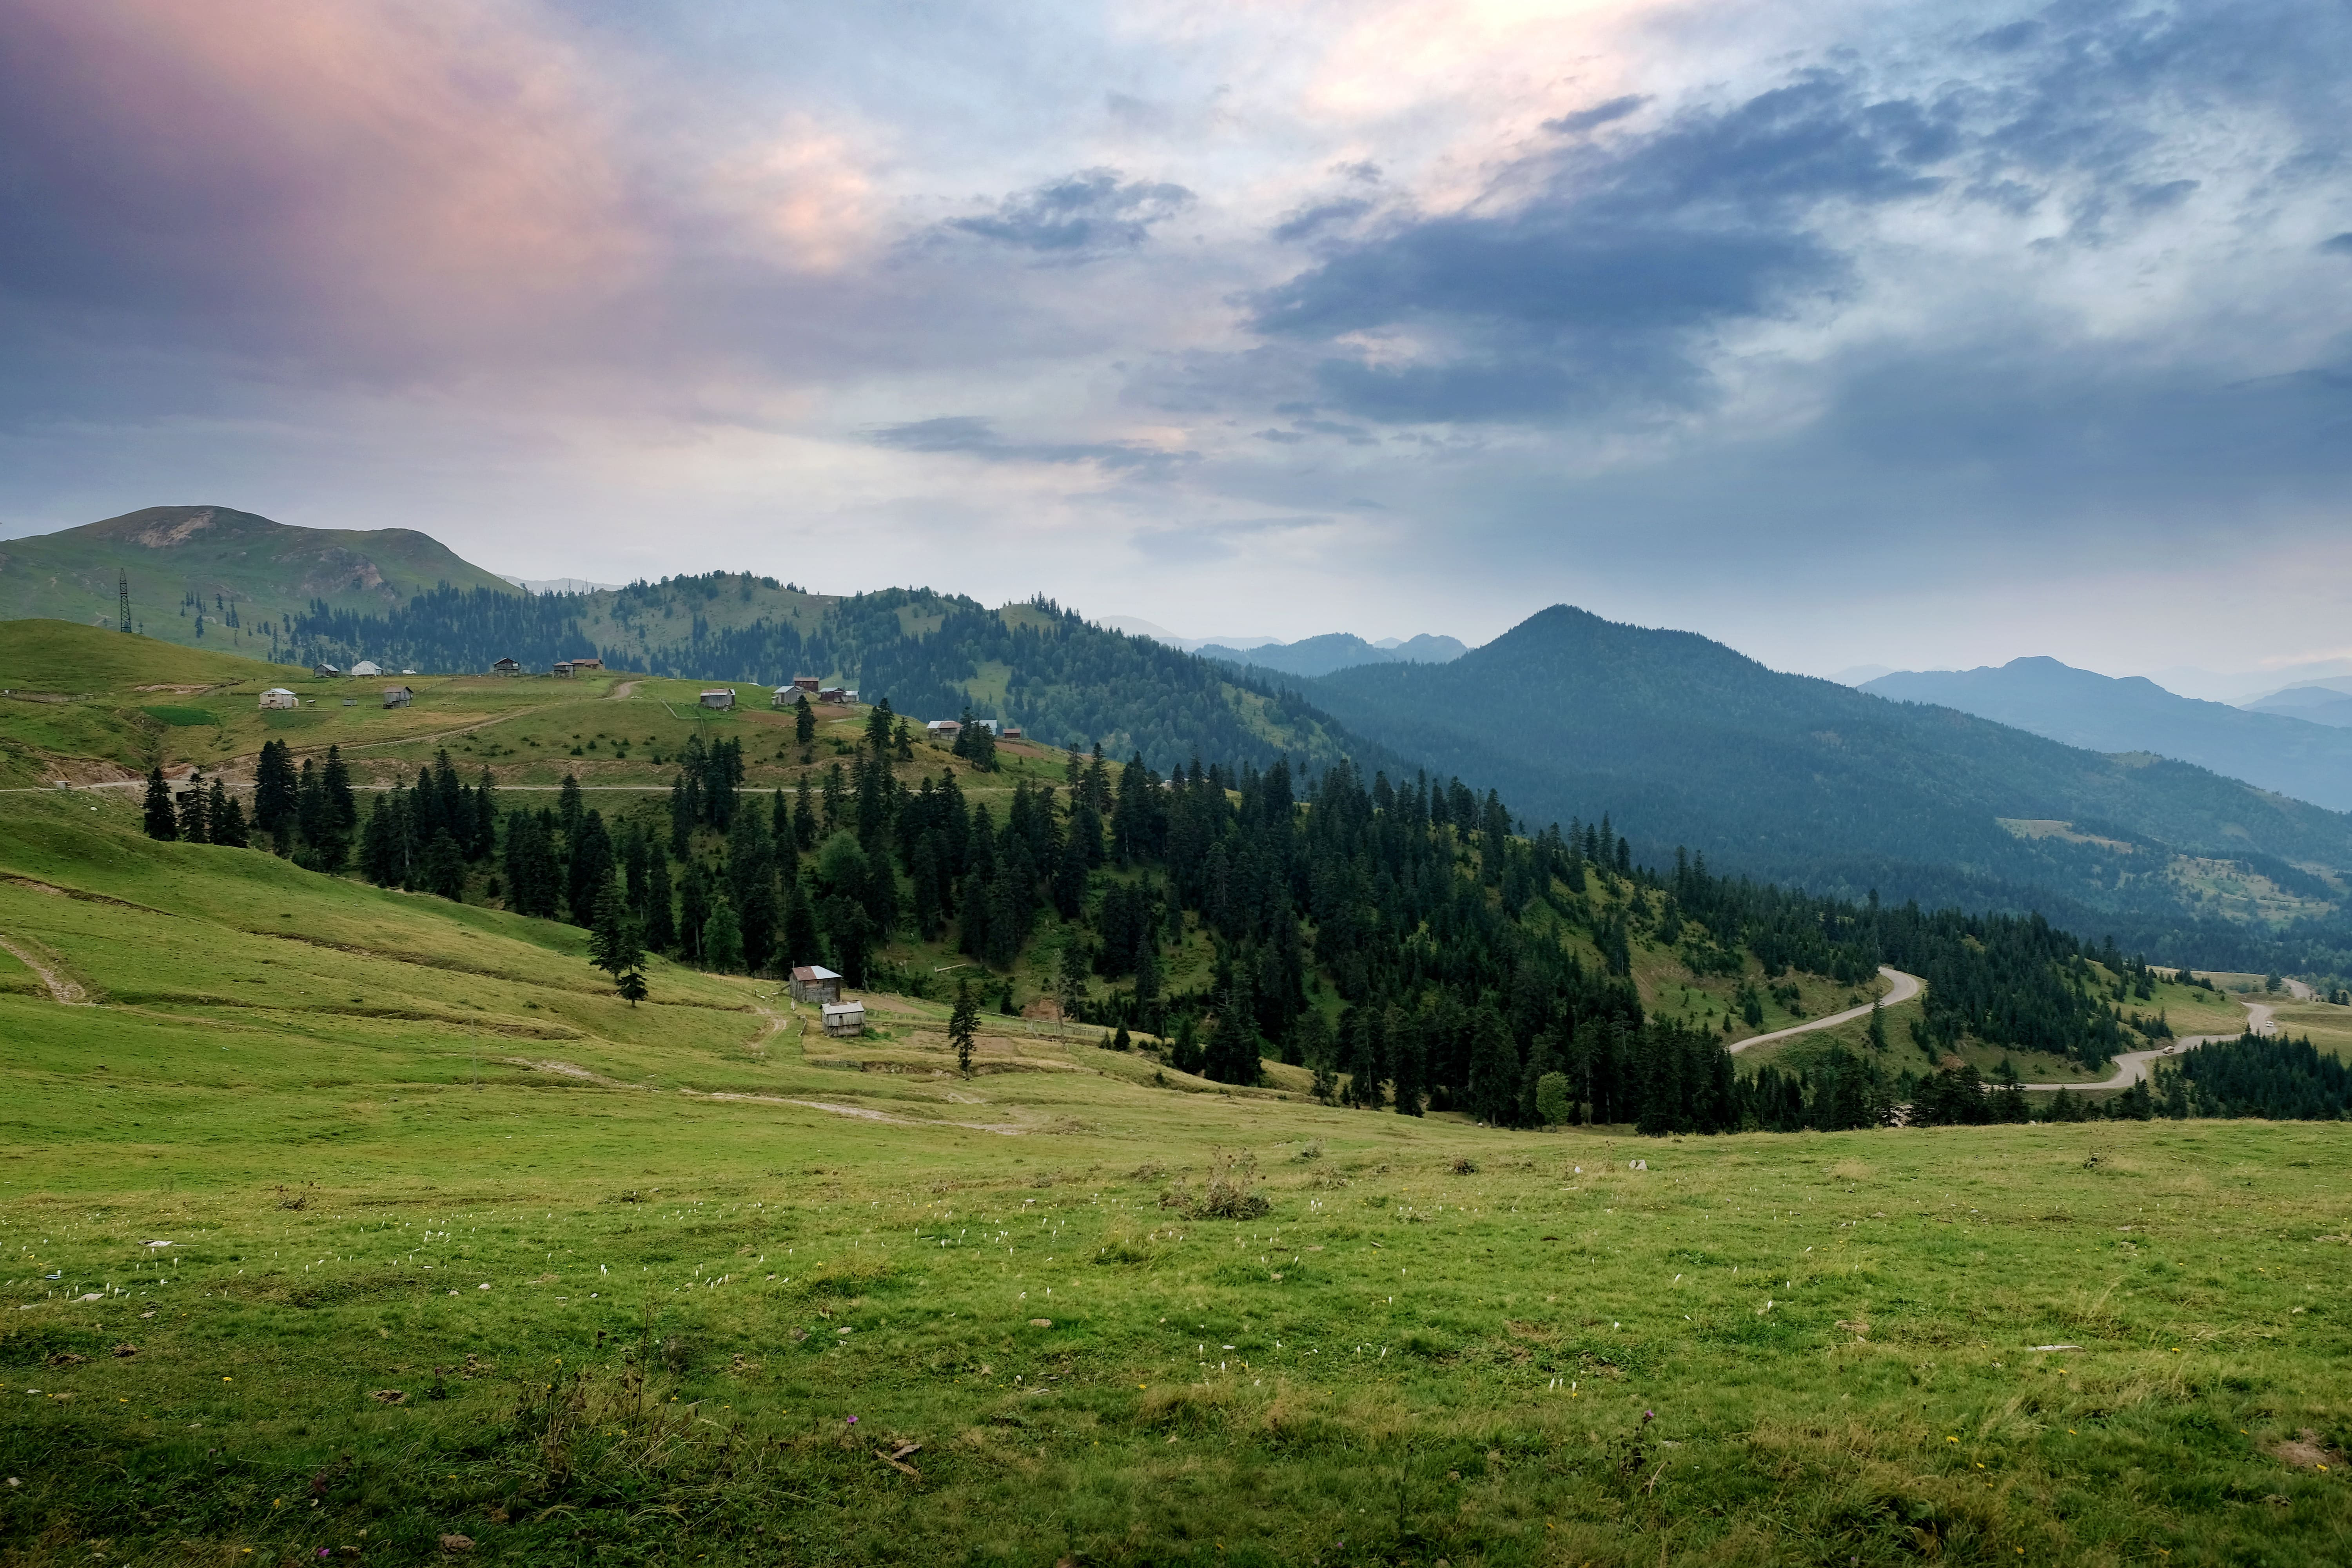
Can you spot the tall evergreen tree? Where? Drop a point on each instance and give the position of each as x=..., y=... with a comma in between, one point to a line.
x=660, y=913
x=192, y=811
x=162, y=821
x=276, y=794
x=225, y=818
x=963, y=1025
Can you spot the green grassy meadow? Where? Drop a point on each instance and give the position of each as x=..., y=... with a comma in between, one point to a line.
x=462, y=1245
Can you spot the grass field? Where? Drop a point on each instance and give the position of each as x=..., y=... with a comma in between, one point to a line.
x=462, y=1245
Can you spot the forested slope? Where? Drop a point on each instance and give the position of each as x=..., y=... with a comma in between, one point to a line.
x=1399, y=939
x=1065, y=681
x=1807, y=782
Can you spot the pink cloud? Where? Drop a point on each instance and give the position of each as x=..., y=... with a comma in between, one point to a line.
x=359, y=180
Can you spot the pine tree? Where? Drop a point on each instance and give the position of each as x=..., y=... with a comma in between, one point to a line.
x=660, y=913
x=1494, y=1071
x=722, y=939
x=162, y=821
x=803, y=721
x=445, y=867
x=964, y=1021
x=276, y=794
x=1074, y=967
x=226, y=817
x=192, y=811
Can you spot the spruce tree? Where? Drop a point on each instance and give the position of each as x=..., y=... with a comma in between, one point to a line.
x=660, y=911
x=226, y=817
x=162, y=821
x=275, y=794
x=445, y=867
x=803, y=721
x=964, y=1021
x=192, y=811
x=722, y=939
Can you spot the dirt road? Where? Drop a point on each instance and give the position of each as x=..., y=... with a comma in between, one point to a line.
x=1901, y=987
x=2132, y=1066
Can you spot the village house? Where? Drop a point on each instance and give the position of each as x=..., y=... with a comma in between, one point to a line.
x=1012, y=733
x=325, y=672
x=397, y=695
x=560, y=670
x=278, y=697
x=581, y=664
x=815, y=982
x=786, y=696
x=843, y=1020
x=506, y=666
x=945, y=729
x=366, y=669
x=837, y=696
x=719, y=697
x=807, y=683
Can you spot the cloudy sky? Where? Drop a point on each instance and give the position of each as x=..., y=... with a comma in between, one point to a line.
x=1846, y=333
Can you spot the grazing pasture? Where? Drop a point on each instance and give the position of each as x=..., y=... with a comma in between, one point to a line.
x=337, y=1218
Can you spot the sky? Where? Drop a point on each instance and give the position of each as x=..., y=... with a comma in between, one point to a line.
x=1849, y=333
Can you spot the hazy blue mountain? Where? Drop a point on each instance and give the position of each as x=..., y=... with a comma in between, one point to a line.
x=2309, y=761
x=2313, y=704
x=1688, y=742
x=1337, y=650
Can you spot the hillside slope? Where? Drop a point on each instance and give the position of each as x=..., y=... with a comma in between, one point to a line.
x=1066, y=681
x=1784, y=776
x=190, y=566
x=2312, y=762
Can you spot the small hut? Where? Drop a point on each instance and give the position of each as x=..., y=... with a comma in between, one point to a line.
x=397, y=695
x=278, y=697
x=721, y=697
x=815, y=983
x=845, y=1018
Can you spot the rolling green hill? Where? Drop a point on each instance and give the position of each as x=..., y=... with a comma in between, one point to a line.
x=1688, y=742
x=1065, y=681
x=347, y=1224
x=192, y=565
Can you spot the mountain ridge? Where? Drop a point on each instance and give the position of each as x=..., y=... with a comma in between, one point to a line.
x=2273, y=748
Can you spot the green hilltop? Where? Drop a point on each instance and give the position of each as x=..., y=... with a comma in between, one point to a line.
x=185, y=562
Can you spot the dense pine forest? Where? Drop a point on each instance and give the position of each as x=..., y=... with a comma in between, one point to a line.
x=1064, y=682
x=1408, y=942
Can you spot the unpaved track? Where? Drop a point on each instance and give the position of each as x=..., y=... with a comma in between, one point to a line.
x=60, y=987
x=2132, y=1066
x=1901, y=987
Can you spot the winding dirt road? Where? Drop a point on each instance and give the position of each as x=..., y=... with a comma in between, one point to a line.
x=2132, y=1066
x=1901, y=987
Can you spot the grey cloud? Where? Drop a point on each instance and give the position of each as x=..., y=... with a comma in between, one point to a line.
x=2337, y=245
x=1600, y=114
x=1088, y=213
x=1604, y=279
x=971, y=436
x=1307, y=221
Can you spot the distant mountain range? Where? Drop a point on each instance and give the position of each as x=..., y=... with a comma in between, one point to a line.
x=2034, y=786
x=2321, y=702
x=1799, y=780
x=2280, y=748
x=1337, y=650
